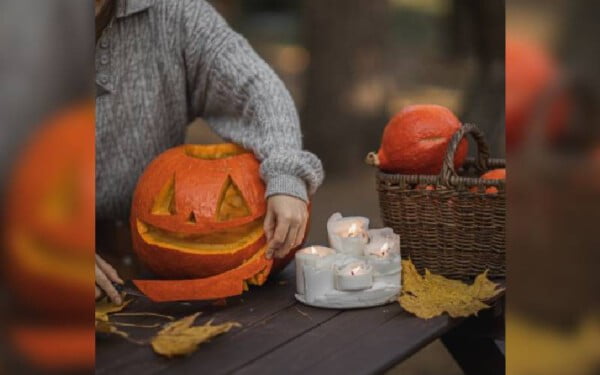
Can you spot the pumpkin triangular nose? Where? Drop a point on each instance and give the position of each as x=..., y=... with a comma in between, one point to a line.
x=231, y=204
x=191, y=218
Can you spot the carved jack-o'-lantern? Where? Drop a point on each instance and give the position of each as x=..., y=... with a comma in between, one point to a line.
x=49, y=215
x=198, y=212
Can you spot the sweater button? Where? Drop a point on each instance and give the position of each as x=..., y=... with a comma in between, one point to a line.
x=103, y=79
x=104, y=43
x=104, y=59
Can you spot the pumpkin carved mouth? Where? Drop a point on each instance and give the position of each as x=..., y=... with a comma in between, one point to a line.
x=222, y=242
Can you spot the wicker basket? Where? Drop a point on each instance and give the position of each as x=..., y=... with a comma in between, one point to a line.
x=448, y=223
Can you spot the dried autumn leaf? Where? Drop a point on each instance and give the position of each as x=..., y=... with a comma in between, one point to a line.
x=179, y=337
x=105, y=307
x=108, y=327
x=431, y=295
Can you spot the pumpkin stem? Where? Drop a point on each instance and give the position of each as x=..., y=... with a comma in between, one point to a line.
x=372, y=159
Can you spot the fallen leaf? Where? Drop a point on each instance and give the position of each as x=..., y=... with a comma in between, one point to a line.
x=104, y=307
x=431, y=295
x=108, y=327
x=180, y=338
x=168, y=317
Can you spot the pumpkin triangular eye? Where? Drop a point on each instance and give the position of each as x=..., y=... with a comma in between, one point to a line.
x=191, y=218
x=164, y=203
x=231, y=204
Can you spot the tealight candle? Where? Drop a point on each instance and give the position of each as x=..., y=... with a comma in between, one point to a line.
x=354, y=276
x=316, y=257
x=348, y=234
x=381, y=258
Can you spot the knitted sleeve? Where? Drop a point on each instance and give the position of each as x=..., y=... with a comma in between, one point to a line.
x=244, y=101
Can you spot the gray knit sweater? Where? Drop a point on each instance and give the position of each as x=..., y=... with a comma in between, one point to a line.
x=162, y=63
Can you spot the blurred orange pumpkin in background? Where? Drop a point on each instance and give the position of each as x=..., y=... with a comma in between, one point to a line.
x=49, y=216
x=530, y=73
x=50, y=243
x=415, y=141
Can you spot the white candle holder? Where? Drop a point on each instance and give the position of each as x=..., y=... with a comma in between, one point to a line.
x=361, y=269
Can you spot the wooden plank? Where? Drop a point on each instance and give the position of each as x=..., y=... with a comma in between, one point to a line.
x=114, y=355
x=351, y=338
x=384, y=346
x=235, y=351
x=324, y=340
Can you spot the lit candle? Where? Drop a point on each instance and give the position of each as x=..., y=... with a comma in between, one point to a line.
x=354, y=276
x=348, y=234
x=316, y=258
x=381, y=258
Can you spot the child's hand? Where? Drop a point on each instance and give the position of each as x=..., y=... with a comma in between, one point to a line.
x=285, y=224
x=105, y=276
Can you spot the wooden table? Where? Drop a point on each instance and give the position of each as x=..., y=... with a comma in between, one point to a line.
x=281, y=336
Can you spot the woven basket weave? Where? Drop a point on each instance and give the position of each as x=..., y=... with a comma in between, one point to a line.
x=448, y=223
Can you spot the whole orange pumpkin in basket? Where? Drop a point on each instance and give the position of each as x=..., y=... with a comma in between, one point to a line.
x=494, y=174
x=197, y=214
x=415, y=141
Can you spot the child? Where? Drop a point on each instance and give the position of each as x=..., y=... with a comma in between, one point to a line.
x=162, y=63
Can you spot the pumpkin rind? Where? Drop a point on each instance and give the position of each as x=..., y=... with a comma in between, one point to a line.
x=176, y=264
x=227, y=284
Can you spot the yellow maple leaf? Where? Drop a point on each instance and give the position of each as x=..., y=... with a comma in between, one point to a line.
x=431, y=295
x=179, y=337
x=105, y=307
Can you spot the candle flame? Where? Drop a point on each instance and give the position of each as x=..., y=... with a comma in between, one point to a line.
x=354, y=270
x=353, y=230
x=312, y=250
x=384, y=249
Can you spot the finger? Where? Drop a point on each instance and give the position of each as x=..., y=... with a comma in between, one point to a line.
x=269, y=224
x=108, y=270
x=289, y=242
x=279, y=237
x=104, y=283
x=302, y=232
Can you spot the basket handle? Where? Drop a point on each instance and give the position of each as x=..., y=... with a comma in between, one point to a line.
x=483, y=151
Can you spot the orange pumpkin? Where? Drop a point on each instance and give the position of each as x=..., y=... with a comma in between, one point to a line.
x=494, y=174
x=50, y=235
x=530, y=70
x=197, y=214
x=415, y=141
